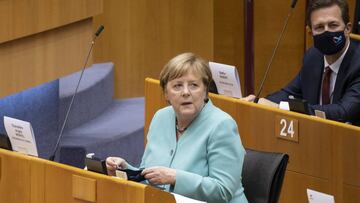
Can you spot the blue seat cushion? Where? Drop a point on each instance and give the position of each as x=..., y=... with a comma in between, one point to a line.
x=39, y=106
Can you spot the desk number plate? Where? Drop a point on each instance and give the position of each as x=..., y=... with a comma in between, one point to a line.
x=287, y=128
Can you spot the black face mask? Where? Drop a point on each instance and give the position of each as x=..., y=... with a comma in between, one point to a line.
x=330, y=43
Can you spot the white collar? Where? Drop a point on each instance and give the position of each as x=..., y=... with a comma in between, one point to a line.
x=336, y=65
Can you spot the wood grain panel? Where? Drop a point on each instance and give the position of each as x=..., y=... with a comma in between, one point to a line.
x=141, y=36
x=21, y=18
x=37, y=179
x=63, y=179
x=63, y=176
x=105, y=187
x=155, y=195
x=295, y=185
x=229, y=37
x=19, y=168
x=351, y=9
x=269, y=18
x=28, y=179
x=43, y=57
x=351, y=193
x=313, y=139
x=108, y=189
x=84, y=188
x=351, y=158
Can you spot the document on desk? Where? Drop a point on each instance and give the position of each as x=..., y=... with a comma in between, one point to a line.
x=226, y=79
x=319, y=197
x=21, y=136
x=183, y=199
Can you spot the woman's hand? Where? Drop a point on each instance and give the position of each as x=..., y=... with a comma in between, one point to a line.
x=112, y=163
x=160, y=175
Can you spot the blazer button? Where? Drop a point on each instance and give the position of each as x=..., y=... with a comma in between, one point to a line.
x=171, y=152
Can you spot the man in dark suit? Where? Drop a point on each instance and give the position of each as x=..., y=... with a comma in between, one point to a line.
x=330, y=76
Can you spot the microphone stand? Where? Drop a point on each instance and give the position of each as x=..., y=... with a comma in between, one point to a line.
x=100, y=29
x=275, y=50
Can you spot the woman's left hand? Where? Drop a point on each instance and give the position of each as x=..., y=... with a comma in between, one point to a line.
x=159, y=175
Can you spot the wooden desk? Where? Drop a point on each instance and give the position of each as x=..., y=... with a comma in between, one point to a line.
x=25, y=179
x=326, y=158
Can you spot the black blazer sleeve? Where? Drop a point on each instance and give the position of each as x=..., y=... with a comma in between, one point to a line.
x=293, y=88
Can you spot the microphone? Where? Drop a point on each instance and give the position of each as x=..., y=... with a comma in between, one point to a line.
x=293, y=4
x=97, y=33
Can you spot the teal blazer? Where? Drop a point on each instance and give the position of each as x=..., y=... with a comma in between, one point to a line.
x=208, y=157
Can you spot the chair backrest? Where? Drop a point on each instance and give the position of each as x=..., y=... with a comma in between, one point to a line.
x=263, y=174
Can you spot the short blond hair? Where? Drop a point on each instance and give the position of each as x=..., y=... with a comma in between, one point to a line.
x=181, y=65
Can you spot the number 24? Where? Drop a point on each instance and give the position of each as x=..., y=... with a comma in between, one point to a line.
x=287, y=129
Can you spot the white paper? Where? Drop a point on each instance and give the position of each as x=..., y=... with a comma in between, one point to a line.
x=284, y=105
x=121, y=174
x=21, y=136
x=319, y=197
x=226, y=79
x=183, y=199
x=320, y=114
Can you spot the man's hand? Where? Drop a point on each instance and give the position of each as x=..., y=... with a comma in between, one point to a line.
x=267, y=102
x=249, y=98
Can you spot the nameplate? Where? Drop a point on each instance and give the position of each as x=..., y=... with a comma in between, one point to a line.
x=287, y=128
x=21, y=136
x=226, y=79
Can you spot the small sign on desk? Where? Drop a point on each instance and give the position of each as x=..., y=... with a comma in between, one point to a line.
x=226, y=79
x=319, y=197
x=21, y=136
x=287, y=128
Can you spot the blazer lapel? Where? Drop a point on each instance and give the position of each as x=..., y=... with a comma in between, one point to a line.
x=314, y=84
x=342, y=74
